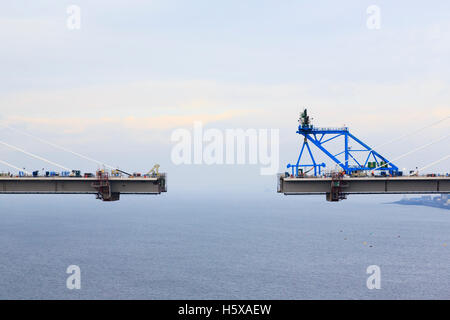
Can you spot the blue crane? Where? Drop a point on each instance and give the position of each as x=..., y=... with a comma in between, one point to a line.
x=320, y=136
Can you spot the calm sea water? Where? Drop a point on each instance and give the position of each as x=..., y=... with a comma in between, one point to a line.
x=266, y=246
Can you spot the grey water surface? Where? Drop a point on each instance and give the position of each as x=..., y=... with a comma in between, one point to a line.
x=178, y=246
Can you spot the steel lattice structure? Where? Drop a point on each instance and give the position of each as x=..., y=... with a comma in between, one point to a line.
x=320, y=136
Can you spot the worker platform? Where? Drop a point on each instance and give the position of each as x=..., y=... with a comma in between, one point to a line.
x=338, y=187
x=105, y=187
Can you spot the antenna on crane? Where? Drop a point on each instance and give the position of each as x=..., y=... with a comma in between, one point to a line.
x=304, y=119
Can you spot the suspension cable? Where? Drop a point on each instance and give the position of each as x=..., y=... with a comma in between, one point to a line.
x=33, y=155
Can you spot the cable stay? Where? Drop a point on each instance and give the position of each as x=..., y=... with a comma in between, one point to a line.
x=431, y=164
x=417, y=149
x=407, y=135
x=34, y=155
x=412, y=133
x=13, y=166
x=66, y=150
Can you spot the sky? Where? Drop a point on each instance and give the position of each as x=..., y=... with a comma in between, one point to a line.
x=135, y=71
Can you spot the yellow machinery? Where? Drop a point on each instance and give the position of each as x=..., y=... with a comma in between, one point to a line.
x=154, y=171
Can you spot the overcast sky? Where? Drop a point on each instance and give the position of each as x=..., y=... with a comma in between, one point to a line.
x=136, y=70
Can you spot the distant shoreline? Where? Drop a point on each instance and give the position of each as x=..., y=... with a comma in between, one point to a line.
x=441, y=202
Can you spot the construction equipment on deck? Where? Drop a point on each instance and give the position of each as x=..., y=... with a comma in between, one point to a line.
x=355, y=176
x=319, y=136
x=154, y=171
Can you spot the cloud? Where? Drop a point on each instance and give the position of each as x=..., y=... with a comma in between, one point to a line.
x=162, y=105
x=79, y=125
